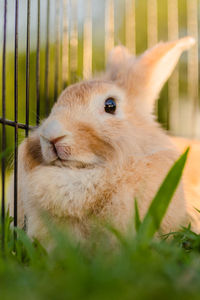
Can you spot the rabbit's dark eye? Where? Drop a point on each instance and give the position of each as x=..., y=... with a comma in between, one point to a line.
x=110, y=106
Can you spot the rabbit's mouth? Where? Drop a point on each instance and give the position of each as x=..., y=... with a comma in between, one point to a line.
x=63, y=158
x=57, y=152
x=61, y=151
x=53, y=150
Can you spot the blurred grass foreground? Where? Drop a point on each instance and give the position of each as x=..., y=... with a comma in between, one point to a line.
x=74, y=39
x=121, y=267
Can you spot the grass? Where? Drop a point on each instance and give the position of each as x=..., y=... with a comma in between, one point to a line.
x=140, y=267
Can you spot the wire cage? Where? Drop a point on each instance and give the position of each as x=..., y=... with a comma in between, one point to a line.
x=47, y=45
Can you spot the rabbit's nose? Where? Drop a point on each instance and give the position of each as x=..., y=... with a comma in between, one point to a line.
x=52, y=131
x=54, y=141
x=60, y=148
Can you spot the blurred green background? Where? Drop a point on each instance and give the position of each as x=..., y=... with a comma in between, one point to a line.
x=135, y=23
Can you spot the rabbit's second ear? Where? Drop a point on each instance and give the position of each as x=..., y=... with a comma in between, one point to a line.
x=117, y=56
x=117, y=63
x=147, y=75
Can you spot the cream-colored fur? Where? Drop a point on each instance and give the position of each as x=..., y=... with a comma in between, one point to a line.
x=103, y=161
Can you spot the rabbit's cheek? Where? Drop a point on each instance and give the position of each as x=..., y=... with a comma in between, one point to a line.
x=32, y=152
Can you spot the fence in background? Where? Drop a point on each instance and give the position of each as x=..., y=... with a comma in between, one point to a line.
x=61, y=41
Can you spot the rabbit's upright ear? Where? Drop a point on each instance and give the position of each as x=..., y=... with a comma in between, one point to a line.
x=153, y=68
x=144, y=77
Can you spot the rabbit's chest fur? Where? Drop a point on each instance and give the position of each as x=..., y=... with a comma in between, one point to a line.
x=76, y=196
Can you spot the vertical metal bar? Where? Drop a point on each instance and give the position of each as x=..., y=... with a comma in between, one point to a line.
x=173, y=84
x=152, y=23
x=193, y=72
x=130, y=25
x=73, y=41
x=27, y=65
x=65, y=45
x=109, y=26
x=57, y=49
x=46, y=79
x=16, y=114
x=87, y=42
x=61, y=25
x=3, y=163
x=38, y=67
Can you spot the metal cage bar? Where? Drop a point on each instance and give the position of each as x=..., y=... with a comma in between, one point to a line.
x=16, y=114
x=27, y=65
x=37, y=73
x=3, y=164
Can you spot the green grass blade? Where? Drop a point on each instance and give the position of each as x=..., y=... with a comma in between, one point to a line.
x=137, y=216
x=197, y=209
x=160, y=203
x=27, y=244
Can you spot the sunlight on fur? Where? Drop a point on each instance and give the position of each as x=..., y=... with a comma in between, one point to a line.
x=100, y=148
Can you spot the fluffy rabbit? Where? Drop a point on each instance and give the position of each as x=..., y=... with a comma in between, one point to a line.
x=100, y=148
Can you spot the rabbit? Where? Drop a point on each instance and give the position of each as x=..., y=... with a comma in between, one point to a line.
x=100, y=148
